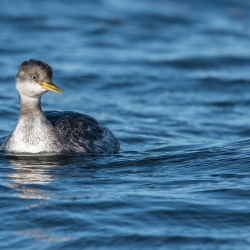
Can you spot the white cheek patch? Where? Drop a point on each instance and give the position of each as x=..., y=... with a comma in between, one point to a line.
x=29, y=88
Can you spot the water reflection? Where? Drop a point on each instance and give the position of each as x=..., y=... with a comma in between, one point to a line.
x=33, y=176
x=30, y=172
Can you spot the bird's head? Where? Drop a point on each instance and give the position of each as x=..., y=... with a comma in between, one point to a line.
x=34, y=78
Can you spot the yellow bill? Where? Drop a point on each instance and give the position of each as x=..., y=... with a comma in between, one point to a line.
x=51, y=87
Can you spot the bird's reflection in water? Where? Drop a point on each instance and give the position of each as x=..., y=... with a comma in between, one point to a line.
x=30, y=172
x=31, y=179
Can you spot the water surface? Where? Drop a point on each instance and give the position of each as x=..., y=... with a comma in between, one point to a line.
x=171, y=79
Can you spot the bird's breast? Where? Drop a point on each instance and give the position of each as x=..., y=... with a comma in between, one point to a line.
x=33, y=136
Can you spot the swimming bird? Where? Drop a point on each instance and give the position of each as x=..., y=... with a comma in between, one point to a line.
x=52, y=131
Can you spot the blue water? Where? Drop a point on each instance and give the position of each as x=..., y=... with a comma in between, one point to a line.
x=171, y=79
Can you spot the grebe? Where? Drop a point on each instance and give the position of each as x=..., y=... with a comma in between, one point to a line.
x=52, y=131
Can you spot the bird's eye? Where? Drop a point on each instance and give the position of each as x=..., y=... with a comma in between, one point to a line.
x=34, y=77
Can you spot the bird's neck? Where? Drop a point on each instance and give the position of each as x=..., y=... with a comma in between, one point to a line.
x=33, y=132
x=29, y=105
